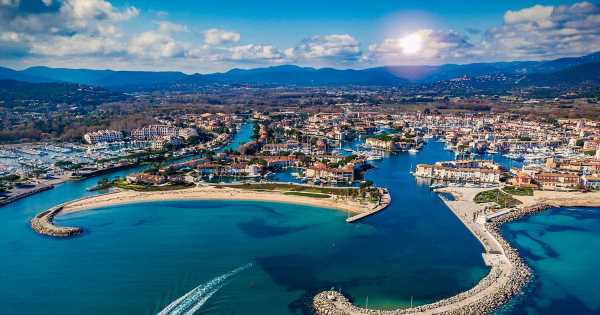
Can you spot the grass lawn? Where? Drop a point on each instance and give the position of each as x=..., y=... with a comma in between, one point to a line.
x=501, y=198
x=518, y=191
x=137, y=187
x=298, y=188
x=305, y=194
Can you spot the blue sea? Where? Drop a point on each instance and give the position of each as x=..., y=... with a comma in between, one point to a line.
x=233, y=257
x=562, y=246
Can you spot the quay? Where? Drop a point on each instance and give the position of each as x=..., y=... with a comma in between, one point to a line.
x=386, y=200
x=26, y=193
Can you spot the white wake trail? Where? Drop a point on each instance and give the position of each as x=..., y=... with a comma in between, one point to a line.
x=190, y=302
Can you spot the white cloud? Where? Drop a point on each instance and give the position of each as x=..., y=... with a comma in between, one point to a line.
x=537, y=13
x=169, y=27
x=254, y=52
x=545, y=32
x=155, y=45
x=216, y=36
x=338, y=48
x=58, y=31
x=425, y=45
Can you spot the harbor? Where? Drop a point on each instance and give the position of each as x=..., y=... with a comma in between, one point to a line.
x=508, y=272
x=88, y=220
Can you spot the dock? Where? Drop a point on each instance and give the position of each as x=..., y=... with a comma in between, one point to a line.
x=25, y=193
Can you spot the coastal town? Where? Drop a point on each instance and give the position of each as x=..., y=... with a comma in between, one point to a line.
x=505, y=167
x=323, y=148
x=299, y=157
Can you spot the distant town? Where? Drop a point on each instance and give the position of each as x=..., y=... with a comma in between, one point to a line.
x=307, y=147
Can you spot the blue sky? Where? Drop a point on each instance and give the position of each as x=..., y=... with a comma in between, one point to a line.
x=206, y=36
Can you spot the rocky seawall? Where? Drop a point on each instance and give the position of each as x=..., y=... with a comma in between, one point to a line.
x=491, y=292
x=43, y=224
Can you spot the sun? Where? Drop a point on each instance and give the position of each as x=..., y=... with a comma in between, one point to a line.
x=411, y=43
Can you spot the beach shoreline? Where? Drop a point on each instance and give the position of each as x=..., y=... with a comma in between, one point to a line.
x=42, y=223
x=208, y=193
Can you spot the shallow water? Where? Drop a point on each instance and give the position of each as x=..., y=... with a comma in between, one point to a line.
x=562, y=246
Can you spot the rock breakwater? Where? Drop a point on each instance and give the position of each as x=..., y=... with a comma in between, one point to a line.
x=43, y=224
x=505, y=280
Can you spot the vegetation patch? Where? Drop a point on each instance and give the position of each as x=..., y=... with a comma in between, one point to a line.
x=363, y=193
x=305, y=194
x=518, y=191
x=123, y=184
x=503, y=199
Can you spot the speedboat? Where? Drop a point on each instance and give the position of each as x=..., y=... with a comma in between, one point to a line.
x=413, y=151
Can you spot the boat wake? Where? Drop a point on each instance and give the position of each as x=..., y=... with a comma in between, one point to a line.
x=190, y=302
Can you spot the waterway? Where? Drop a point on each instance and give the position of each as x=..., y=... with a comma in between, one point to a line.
x=139, y=258
x=242, y=136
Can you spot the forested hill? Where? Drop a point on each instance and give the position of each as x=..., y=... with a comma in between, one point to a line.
x=45, y=97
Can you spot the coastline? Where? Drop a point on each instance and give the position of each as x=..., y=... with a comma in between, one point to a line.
x=508, y=273
x=208, y=193
x=51, y=183
x=42, y=223
x=507, y=276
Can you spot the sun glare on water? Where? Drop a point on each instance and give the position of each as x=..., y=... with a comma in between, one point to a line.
x=411, y=43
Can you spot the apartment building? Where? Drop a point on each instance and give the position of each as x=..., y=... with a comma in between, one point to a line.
x=102, y=136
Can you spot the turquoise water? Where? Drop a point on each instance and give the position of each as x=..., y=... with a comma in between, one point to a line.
x=562, y=247
x=136, y=259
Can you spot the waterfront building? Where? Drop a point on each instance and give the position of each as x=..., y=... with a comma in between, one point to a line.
x=557, y=181
x=102, y=136
x=144, y=178
x=277, y=148
x=322, y=172
x=153, y=132
x=387, y=144
x=591, y=182
x=477, y=171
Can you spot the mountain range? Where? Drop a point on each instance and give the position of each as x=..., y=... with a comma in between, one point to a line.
x=570, y=71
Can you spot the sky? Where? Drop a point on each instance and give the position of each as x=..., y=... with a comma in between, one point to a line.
x=213, y=36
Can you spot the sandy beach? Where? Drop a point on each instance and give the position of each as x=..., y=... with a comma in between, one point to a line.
x=211, y=193
x=561, y=199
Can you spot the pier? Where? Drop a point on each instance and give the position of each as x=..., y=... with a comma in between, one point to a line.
x=385, y=201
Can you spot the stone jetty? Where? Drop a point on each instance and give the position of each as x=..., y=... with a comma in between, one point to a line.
x=506, y=278
x=43, y=224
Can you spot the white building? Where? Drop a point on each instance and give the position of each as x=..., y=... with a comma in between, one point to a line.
x=478, y=171
x=159, y=131
x=103, y=136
